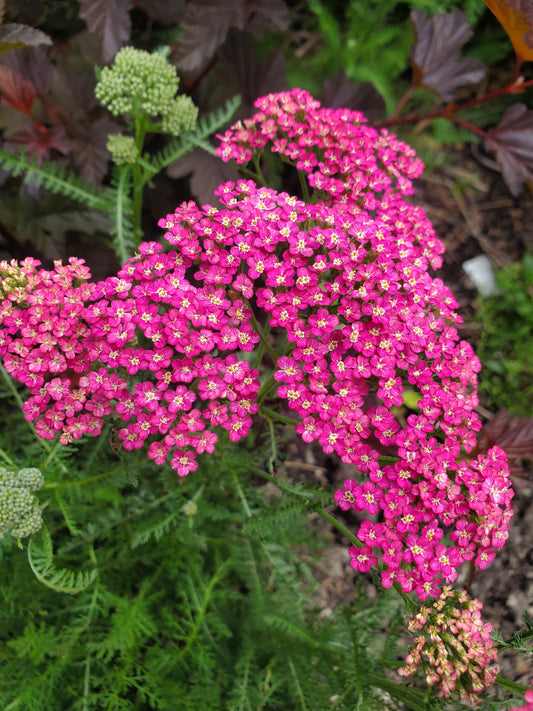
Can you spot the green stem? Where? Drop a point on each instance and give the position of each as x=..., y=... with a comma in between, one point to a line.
x=299, y=692
x=258, y=173
x=257, y=328
x=141, y=125
x=271, y=414
x=203, y=608
x=339, y=526
x=7, y=459
x=304, y=187
x=77, y=482
x=240, y=493
x=120, y=213
x=265, y=389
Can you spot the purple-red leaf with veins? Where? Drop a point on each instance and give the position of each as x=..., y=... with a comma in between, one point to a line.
x=204, y=28
x=33, y=65
x=339, y=92
x=89, y=151
x=207, y=173
x=514, y=435
x=168, y=12
x=434, y=54
x=267, y=15
x=110, y=21
x=39, y=141
x=238, y=56
x=512, y=142
x=16, y=91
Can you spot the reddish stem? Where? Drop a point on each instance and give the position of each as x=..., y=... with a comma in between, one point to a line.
x=452, y=108
x=405, y=98
x=516, y=69
x=470, y=126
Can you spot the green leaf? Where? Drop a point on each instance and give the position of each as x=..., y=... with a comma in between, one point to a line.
x=61, y=580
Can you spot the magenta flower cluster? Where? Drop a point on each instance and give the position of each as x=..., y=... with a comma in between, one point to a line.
x=335, y=288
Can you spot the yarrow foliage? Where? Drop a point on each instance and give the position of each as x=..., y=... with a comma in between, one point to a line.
x=453, y=646
x=336, y=288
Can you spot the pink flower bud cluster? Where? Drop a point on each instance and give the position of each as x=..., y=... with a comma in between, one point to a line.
x=453, y=646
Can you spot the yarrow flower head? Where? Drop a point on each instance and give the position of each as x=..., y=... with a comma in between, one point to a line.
x=453, y=646
x=354, y=318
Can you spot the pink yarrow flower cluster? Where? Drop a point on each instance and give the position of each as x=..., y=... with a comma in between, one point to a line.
x=171, y=344
x=453, y=646
x=528, y=706
x=43, y=344
x=382, y=323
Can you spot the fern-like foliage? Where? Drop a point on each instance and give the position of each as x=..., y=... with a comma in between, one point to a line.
x=41, y=560
x=54, y=177
x=121, y=213
x=205, y=127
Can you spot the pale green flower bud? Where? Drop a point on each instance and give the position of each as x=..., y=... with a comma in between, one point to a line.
x=20, y=513
x=181, y=117
x=142, y=83
x=122, y=149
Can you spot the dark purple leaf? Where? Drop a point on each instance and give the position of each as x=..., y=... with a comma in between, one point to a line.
x=89, y=151
x=206, y=24
x=110, y=21
x=254, y=79
x=511, y=433
x=339, y=92
x=33, y=65
x=267, y=15
x=72, y=93
x=512, y=142
x=434, y=54
x=207, y=173
x=15, y=36
x=166, y=11
x=12, y=121
x=204, y=28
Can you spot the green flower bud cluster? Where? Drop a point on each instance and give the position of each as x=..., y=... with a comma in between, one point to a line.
x=122, y=148
x=143, y=83
x=182, y=117
x=20, y=513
